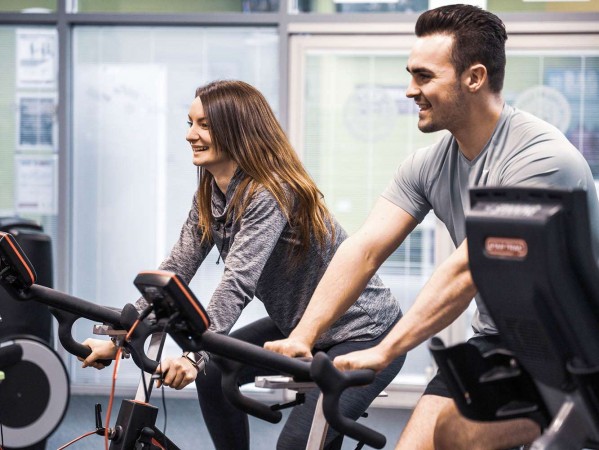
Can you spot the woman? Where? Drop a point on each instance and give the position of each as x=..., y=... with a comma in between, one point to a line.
x=258, y=205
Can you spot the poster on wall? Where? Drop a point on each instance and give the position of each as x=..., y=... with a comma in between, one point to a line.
x=36, y=53
x=36, y=184
x=36, y=122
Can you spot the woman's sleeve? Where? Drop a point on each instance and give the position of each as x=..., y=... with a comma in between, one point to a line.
x=260, y=229
x=188, y=252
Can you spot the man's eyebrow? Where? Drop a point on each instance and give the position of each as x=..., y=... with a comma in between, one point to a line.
x=416, y=70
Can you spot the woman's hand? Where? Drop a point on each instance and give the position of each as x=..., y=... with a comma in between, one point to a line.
x=176, y=372
x=101, y=349
x=294, y=348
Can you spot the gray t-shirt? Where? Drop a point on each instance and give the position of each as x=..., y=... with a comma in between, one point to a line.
x=522, y=151
x=256, y=252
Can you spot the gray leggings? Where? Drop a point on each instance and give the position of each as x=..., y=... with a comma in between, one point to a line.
x=228, y=426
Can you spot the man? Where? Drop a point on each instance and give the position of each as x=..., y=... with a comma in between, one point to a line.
x=457, y=66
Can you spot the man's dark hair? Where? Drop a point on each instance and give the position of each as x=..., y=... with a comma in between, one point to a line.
x=479, y=37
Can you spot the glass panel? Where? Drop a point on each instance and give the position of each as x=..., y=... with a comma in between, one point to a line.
x=417, y=6
x=133, y=180
x=178, y=6
x=29, y=125
x=28, y=6
x=523, y=6
x=561, y=89
x=359, y=126
x=352, y=6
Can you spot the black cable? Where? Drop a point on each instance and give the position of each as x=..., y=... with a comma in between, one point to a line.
x=174, y=316
x=165, y=417
x=145, y=385
x=143, y=375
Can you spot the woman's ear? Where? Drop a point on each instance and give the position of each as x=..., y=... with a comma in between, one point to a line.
x=475, y=77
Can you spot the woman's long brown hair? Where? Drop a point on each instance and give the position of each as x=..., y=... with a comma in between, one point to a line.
x=243, y=126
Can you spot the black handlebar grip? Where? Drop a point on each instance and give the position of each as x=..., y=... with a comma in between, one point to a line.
x=65, y=335
x=230, y=373
x=332, y=383
x=129, y=315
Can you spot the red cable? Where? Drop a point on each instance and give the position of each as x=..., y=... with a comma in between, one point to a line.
x=114, y=376
x=154, y=441
x=133, y=327
x=76, y=439
x=111, y=398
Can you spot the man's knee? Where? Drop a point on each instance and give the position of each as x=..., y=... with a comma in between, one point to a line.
x=453, y=431
x=448, y=433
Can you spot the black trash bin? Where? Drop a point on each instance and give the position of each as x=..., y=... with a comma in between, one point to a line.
x=28, y=318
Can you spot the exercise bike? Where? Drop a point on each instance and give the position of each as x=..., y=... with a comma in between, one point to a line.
x=531, y=257
x=177, y=312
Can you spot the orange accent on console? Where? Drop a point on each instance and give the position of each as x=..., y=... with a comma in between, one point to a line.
x=8, y=239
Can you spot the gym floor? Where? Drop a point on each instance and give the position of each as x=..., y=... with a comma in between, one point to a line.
x=185, y=426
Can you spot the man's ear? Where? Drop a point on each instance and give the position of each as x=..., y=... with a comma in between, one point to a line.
x=474, y=77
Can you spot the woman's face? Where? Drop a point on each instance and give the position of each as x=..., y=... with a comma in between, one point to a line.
x=198, y=135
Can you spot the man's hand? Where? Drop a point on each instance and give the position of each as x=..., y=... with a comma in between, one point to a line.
x=371, y=358
x=101, y=349
x=176, y=372
x=291, y=347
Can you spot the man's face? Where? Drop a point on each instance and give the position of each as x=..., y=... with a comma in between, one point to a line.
x=435, y=86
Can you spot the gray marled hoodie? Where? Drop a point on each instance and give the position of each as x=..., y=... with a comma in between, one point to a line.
x=255, y=251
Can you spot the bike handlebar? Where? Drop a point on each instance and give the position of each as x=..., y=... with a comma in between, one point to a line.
x=333, y=382
x=67, y=309
x=18, y=278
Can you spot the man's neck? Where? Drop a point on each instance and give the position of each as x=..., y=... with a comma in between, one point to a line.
x=475, y=132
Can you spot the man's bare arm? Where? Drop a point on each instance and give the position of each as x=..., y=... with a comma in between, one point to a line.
x=354, y=263
x=443, y=298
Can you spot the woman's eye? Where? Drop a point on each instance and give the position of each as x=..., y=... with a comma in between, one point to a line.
x=189, y=123
x=204, y=125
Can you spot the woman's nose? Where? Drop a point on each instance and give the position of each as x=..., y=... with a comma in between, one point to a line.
x=191, y=135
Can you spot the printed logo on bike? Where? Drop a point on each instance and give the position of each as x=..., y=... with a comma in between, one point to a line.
x=509, y=248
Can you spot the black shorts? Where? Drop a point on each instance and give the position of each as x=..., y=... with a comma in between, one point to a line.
x=485, y=344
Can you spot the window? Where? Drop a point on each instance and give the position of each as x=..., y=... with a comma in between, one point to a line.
x=29, y=124
x=418, y=6
x=562, y=89
x=179, y=6
x=132, y=178
x=28, y=6
x=354, y=125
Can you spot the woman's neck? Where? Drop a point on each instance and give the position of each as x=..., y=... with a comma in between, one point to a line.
x=223, y=176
